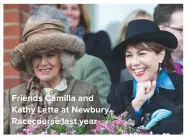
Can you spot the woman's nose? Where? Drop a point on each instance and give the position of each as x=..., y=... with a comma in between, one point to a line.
x=69, y=12
x=43, y=60
x=135, y=61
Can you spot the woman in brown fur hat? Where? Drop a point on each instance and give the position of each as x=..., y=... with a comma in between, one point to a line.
x=49, y=54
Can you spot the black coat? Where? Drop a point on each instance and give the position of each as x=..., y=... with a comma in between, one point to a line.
x=99, y=45
x=120, y=98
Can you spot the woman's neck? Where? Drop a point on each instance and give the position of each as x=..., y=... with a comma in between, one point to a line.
x=51, y=83
x=155, y=77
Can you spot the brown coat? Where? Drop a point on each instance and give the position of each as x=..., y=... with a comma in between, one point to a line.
x=75, y=88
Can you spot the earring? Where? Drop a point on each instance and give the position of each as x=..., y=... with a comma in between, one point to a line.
x=160, y=67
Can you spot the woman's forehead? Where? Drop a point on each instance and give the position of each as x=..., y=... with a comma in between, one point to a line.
x=132, y=49
x=137, y=47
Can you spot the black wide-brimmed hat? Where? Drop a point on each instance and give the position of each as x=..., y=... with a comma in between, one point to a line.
x=143, y=30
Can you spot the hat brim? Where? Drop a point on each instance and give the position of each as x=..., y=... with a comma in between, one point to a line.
x=163, y=37
x=51, y=42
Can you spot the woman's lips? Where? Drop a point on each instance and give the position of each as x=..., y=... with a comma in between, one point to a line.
x=139, y=73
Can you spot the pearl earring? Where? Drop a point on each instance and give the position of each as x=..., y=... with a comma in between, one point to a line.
x=160, y=67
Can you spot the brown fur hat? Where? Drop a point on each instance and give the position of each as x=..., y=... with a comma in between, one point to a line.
x=46, y=35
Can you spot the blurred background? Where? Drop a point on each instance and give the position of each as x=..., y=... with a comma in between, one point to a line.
x=110, y=17
x=107, y=17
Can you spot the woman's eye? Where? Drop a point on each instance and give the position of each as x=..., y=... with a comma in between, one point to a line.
x=74, y=8
x=128, y=55
x=141, y=54
x=64, y=8
x=36, y=56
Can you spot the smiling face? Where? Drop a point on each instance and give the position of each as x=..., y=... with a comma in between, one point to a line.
x=47, y=67
x=72, y=12
x=142, y=62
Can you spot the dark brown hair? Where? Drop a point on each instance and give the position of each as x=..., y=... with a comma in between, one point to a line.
x=162, y=13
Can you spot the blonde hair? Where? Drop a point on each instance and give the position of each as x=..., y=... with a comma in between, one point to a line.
x=137, y=14
x=84, y=19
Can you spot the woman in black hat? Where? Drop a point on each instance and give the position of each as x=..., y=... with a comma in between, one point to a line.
x=155, y=90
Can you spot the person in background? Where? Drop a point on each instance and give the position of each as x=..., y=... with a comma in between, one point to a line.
x=169, y=17
x=137, y=14
x=97, y=44
x=48, y=54
x=92, y=70
x=156, y=91
x=134, y=15
x=89, y=68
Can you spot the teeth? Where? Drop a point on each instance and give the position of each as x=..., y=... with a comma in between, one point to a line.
x=139, y=70
x=45, y=70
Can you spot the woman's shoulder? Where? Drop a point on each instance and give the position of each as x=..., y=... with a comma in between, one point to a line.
x=102, y=33
x=121, y=88
x=96, y=36
x=124, y=84
x=89, y=58
x=82, y=83
x=18, y=90
x=19, y=87
x=82, y=87
x=99, y=33
x=90, y=62
x=175, y=75
x=177, y=79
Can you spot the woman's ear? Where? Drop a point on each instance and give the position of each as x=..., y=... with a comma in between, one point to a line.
x=161, y=56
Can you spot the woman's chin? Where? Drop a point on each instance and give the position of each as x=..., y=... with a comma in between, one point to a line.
x=45, y=78
x=141, y=79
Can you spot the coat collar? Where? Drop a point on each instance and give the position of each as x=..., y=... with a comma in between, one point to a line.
x=60, y=87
